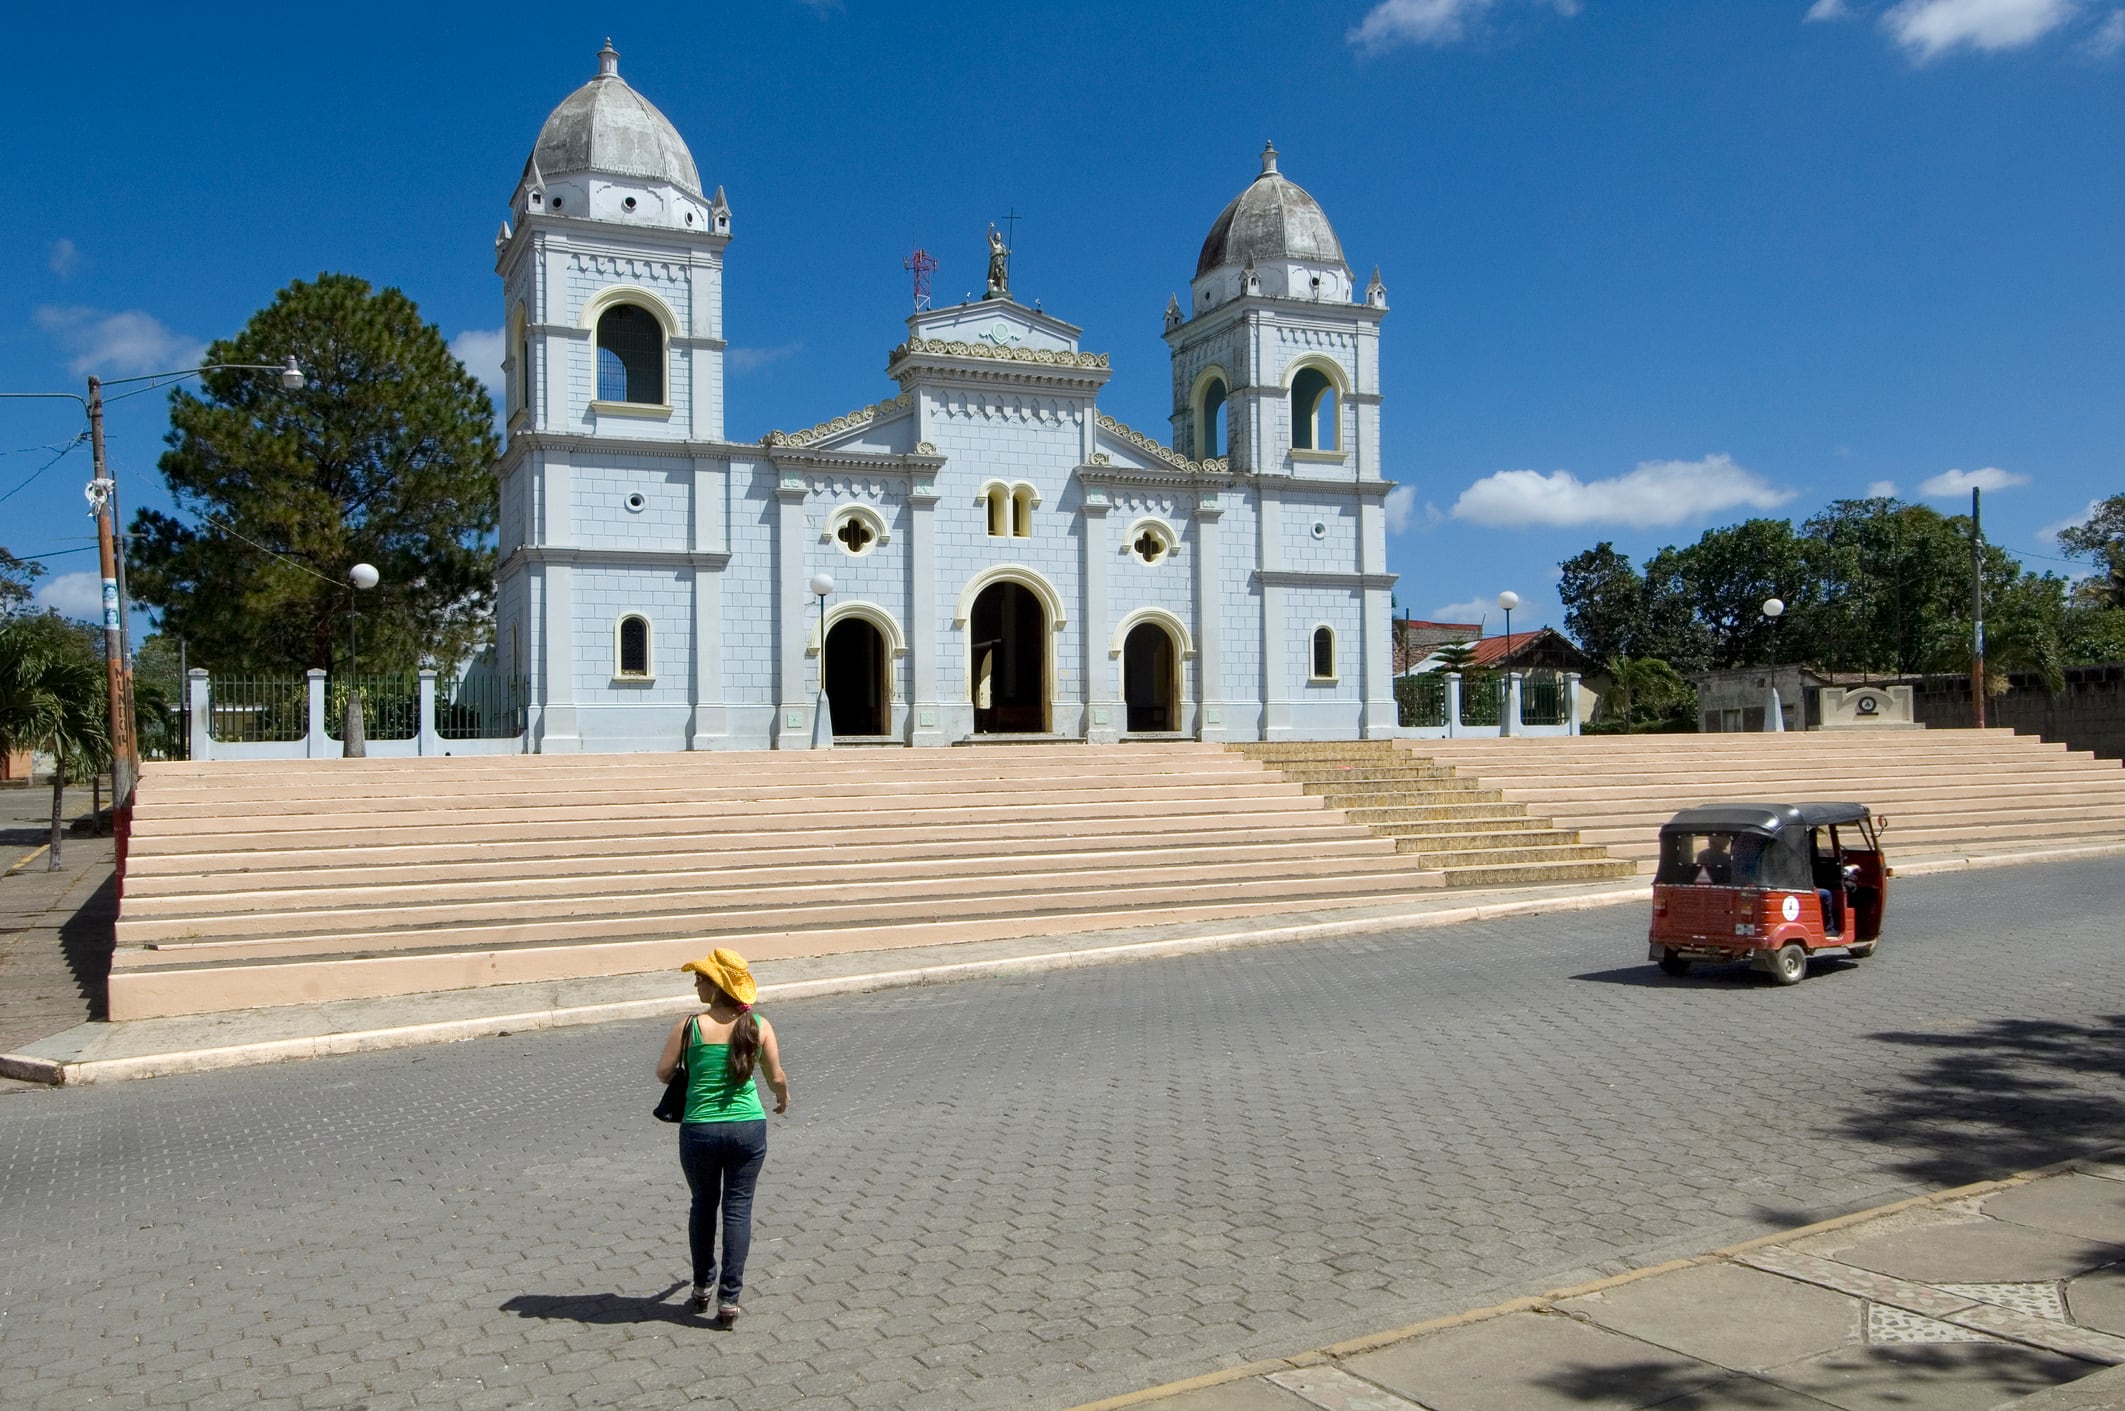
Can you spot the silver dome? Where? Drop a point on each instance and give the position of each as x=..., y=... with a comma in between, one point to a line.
x=1273, y=219
x=608, y=128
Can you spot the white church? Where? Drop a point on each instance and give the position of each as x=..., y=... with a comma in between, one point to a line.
x=1002, y=558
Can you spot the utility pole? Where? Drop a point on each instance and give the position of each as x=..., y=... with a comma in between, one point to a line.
x=1977, y=614
x=102, y=497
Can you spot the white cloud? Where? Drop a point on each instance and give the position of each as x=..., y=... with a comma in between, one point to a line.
x=1656, y=492
x=2049, y=534
x=75, y=595
x=1823, y=10
x=1392, y=23
x=1473, y=610
x=1959, y=482
x=1401, y=503
x=480, y=350
x=1882, y=490
x=118, y=344
x=65, y=258
x=1928, y=29
x=2108, y=38
x=743, y=360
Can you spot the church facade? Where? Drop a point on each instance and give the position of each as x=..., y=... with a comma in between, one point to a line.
x=1002, y=559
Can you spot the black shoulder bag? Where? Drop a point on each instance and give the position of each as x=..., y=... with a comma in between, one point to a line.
x=672, y=1107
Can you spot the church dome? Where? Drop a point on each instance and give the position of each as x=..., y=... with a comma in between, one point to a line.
x=1272, y=220
x=607, y=128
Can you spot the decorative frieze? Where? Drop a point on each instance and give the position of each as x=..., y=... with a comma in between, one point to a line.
x=862, y=416
x=953, y=348
x=625, y=267
x=1216, y=465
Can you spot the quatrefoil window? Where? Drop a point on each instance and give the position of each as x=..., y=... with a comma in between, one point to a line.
x=1149, y=547
x=855, y=535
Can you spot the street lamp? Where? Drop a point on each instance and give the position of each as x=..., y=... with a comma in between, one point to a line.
x=1507, y=709
x=1774, y=711
x=823, y=712
x=1508, y=600
x=354, y=743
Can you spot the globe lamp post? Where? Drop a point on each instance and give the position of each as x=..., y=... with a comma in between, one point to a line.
x=823, y=712
x=1774, y=711
x=1507, y=601
x=354, y=743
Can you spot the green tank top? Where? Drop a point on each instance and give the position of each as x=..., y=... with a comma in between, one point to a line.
x=711, y=1094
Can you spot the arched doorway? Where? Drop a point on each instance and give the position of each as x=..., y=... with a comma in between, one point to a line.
x=1150, y=687
x=854, y=671
x=1008, y=661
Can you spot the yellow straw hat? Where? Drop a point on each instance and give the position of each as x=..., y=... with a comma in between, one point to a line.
x=727, y=971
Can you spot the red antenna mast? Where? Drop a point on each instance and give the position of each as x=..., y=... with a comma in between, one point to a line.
x=920, y=264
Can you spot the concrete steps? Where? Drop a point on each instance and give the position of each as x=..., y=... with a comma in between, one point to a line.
x=1943, y=791
x=1437, y=814
x=255, y=884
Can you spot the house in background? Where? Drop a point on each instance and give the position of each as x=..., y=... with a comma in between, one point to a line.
x=1542, y=652
x=1416, y=640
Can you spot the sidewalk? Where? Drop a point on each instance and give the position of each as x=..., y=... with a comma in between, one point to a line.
x=68, y=1051
x=2005, y=1294
x=55, y=927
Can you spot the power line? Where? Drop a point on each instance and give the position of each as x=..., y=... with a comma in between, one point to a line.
x=65, y=451
x=270, y=553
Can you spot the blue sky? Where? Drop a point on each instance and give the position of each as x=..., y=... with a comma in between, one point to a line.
x=1652, y=265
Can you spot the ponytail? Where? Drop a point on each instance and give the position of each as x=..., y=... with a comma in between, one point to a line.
x=744, y=1046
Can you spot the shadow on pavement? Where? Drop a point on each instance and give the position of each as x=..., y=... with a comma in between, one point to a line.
x=603, y=1307
x=1656, y=1384
x=86, y=939
x=1704, y=975
x=2004, y=1096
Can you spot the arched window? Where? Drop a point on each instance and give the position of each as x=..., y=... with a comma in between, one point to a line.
x=630, y=356
x=1324, y=654
x=1210, y=437
x=999, y=512
x=1022, y=512
x=632, y=647
x=1313, y=411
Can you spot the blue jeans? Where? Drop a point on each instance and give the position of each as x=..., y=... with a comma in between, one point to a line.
x=722, y=1161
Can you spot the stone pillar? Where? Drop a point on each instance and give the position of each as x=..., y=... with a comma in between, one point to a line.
x=1453, y=703
x=1105, y=714
x=316, y=744
x=1276, y=666
x=1209, y=623
x=793, y=696
x=199, y=712
x=1571, y=702
x=925, y=632
x=557, y=733
x=428, y=741
x=1509, y=714
x=711, y=725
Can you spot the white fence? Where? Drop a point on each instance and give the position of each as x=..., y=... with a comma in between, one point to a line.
x=317, y=741
x=1507, y=719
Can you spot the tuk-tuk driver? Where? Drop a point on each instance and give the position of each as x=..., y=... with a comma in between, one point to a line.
x=1715, y=865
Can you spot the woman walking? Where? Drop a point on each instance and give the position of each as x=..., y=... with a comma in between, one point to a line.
x=723, y=1136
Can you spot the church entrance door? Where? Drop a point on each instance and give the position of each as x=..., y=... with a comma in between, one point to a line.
x=857, y=686
x=1150, y=687
x=1009, y=661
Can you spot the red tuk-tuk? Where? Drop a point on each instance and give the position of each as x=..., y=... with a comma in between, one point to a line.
x=1769, y=883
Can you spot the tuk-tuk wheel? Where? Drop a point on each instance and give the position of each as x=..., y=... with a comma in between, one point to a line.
x=1673, y=964
x=1790, y=965
x=1861, y=952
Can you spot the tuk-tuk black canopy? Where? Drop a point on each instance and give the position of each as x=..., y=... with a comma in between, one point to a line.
x=1765, y=819
x=1747, y=844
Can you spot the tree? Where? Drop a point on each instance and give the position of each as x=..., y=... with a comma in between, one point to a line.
x=54, y=697
x=17, y=581
x=1604, y=602
x=1645, y=693
x=385, y=456
x=2101, y=540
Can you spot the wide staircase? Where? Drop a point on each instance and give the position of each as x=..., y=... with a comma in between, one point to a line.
x=277, y=883
x=1944, y=792
x=1437, y=815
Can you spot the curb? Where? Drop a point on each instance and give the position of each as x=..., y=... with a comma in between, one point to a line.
x=1545, y=1302
x=77, y=1072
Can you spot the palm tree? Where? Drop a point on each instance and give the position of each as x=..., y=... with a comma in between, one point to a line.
x=55, y=704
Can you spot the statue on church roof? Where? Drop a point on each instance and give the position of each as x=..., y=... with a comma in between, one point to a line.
x=999, y=267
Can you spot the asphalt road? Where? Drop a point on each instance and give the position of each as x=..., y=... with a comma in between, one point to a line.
x=1036, y=1193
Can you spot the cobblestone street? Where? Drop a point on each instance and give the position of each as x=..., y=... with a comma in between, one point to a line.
x=1036, y=1193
